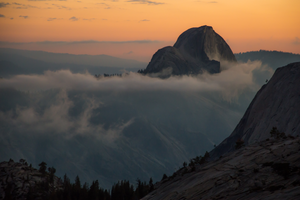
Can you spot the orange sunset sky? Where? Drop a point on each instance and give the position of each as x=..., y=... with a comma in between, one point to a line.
x=136, y=29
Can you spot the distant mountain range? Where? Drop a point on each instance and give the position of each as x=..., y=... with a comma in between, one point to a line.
x=273, y=59
x=15, y=61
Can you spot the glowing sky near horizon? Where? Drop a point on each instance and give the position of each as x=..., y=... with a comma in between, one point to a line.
x=137, y=28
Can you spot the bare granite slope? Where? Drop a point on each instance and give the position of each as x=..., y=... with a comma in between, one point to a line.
x=266, y=170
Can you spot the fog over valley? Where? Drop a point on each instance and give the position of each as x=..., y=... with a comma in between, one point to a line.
x=113, y=128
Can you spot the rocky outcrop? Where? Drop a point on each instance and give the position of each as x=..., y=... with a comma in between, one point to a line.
x=195, y=51
x=276, y=104
x=20, y=181
x=265, y=170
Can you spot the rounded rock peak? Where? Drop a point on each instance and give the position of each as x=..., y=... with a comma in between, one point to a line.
x=203, y=43
x=195, y=51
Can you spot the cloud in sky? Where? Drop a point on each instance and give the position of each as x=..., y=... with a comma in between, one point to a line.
x=51, y=19
x=2, y=4
x=207, y=1
x=22, y=6
x=47, y=0
x=144, y=20
x=90, y=19
x=25, y=17
x=146, y=2
x=61, y=7
x=95, y=41
x=296, y=41
x=2, y=15
x=26, y=7
x=102, y=4
x=74, y=19
x=82, y=41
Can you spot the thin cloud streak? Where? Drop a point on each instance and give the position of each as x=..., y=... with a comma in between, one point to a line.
x=51, y=19
x=82, y=42
x=2, y=4
x=25, y=17
x=90, y=19
x=208, y=2
x=145, y=20
x=46, y=0
x=145, y=2
x=74, y=18
x=61, y=7
x=23, y=6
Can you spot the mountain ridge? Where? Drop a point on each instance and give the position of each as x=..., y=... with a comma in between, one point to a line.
x=94, y=60
x=273, y=59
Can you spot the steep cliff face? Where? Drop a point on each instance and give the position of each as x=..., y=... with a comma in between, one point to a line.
x=275, y=105
x=195, y=51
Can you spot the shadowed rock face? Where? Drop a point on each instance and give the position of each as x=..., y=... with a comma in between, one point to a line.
x=265, y=170
x=196, y=50
x=16, y=179
x=276, y=104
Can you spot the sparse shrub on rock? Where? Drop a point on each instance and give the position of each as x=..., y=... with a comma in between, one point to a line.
x=239, y=144
x=275, y=133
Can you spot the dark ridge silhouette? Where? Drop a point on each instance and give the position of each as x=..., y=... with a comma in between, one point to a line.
x=22, y=181
x=273, y=59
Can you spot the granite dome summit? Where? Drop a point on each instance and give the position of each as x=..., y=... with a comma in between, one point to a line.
x=195, y=51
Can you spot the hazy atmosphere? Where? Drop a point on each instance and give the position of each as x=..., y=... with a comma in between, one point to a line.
x=114, y=90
